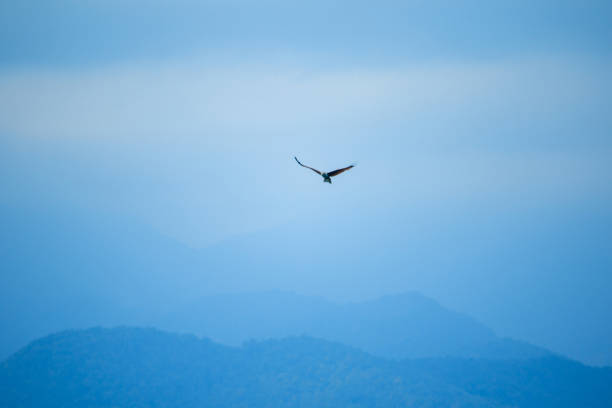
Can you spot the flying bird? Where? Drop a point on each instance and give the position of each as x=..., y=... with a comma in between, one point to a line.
x=326, y=176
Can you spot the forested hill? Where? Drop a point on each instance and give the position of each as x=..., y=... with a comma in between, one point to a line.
x=132, y=367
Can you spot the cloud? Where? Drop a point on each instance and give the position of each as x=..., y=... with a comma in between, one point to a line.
x=243, y=102
x=213, y=142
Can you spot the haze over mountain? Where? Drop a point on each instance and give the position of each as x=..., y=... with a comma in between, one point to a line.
x=146, y=164
x=148, y=368
x=112, y=273
x=107, y=270
x=401, y=326
x=148, y=182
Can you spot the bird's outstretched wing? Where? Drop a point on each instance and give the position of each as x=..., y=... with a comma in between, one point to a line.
x=336, y=172
x=315, y=170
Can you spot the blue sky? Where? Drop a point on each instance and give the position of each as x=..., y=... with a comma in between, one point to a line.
x=481, y=134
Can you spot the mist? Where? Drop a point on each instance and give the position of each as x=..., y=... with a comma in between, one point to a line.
x=147, y=175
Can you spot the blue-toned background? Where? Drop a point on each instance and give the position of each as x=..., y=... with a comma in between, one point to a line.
x=146, y=157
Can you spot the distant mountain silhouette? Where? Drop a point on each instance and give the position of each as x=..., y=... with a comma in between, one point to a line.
x=407, y=325
x=64, y=270
x=76, y=270
x=148, y=368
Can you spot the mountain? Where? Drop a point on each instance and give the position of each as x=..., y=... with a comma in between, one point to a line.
x=148, y=368
x=76, y=269
x=69, y=270
x=407, y=325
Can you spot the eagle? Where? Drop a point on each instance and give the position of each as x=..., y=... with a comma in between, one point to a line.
x=326, y=176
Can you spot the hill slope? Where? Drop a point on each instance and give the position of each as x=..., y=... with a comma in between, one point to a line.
x=407, y=325
x=149, y=368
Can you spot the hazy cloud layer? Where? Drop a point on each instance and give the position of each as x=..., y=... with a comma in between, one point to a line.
x=214, y=144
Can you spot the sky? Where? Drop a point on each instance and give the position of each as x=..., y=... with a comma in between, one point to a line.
x=481, y=135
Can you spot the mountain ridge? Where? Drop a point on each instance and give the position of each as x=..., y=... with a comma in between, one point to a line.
x=141, y=367
x=107, y=270
x=405, y=325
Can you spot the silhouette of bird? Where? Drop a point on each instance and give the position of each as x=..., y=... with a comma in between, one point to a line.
x=326, y=176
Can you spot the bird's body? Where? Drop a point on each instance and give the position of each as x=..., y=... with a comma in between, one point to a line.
x=326, y=176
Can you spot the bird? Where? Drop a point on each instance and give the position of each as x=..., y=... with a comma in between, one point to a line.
x=326, y=176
